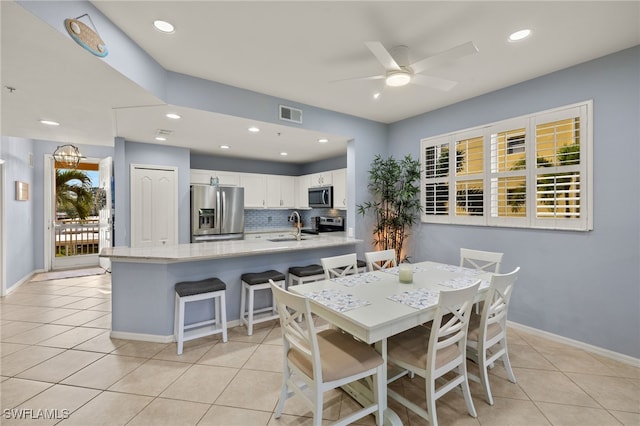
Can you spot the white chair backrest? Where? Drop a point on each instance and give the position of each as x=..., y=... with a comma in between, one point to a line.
x=496, y=303
x=339, y=266
x=484, y=260
x=450, y=326
x=296, y=324
x=378, y=260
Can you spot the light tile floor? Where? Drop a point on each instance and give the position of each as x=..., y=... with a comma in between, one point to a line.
x=58, y=360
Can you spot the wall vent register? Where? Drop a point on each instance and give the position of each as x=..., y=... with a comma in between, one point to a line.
x=290, y=114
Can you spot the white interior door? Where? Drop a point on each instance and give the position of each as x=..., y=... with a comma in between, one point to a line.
x=104, y=216
x=154, y=206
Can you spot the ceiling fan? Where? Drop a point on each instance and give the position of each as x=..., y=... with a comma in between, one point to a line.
x=399, y=72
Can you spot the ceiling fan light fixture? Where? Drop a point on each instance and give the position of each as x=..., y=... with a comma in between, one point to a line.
x=398, y=78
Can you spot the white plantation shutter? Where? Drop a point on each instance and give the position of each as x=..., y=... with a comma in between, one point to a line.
x=509, y=146
x=532, y=171
x=562, y=147
x=435, y=180
x=469, y=196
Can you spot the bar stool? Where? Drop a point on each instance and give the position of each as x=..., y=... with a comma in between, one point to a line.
x=252, y=282
x=192, y=291
x=305, y=274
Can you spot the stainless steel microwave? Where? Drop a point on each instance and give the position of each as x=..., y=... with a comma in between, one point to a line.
x=321, y=197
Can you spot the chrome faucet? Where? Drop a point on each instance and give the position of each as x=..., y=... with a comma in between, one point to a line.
x=297, y=222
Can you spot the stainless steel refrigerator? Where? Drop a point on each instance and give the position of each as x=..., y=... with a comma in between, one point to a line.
x=217, y=213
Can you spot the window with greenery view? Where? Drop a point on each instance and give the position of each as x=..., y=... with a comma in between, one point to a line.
x=531, y=171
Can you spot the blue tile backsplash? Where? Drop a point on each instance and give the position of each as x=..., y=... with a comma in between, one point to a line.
x=258, y=220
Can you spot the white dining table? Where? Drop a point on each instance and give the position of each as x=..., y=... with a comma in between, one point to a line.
x=373, y=306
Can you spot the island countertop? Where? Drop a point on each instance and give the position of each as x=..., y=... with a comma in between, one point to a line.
x=220, y=249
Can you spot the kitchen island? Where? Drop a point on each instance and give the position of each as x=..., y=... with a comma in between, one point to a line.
x=143, y=279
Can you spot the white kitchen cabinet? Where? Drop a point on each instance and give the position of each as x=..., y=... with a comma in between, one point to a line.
x=320, y=179
x=200, y=176
x=280, y=191
x=255, y=190
x=302, y=191
x=339, y=179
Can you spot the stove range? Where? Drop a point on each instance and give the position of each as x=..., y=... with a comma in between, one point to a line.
x=328, y=223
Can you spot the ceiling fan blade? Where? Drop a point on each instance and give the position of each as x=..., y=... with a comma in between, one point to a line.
x=371, y=77
x=382, y=55
x=444, y=57
x=433, y=82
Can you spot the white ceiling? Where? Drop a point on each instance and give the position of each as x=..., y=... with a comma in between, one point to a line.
x=291, y=50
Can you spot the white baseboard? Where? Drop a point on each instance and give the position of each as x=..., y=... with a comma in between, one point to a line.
x=625, y=359
x=155, y=338
x=23, y=280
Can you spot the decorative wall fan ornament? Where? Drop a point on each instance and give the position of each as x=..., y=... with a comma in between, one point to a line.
x=399, y=72
x=86, y=37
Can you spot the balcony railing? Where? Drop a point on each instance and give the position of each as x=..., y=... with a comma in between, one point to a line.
x=75, y=237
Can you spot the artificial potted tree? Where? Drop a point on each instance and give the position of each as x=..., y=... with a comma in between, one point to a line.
x=395, y=205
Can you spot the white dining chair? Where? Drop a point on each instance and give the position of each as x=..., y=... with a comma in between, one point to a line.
x=379, y=260
x=339, y=266
x=323, y=360
x=482, y=260
x=487, y=339
x=434, y=350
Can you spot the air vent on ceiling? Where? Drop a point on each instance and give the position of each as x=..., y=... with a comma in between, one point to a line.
x=290, y=114
x=164, y=132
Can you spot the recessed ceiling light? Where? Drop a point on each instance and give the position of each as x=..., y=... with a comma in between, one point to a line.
x=323, y=140
x=163, y=26
x=520, y=35
x=160, y=138
x=283, y=154
x=224, y=146
x=254, y=129
x=376, y=95
x=50, y=122
x=173, y=116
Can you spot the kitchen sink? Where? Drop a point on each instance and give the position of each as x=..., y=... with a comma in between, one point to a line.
x=280, y=239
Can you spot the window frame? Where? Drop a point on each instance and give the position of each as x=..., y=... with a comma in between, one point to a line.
x=491, y=175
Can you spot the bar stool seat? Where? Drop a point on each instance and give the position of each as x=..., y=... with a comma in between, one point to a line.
x=192, y=291
x=252, y=282
x=305, y=274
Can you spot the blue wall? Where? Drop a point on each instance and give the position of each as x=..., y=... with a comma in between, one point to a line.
x=582, y=285
x=211, y=162
x=20, y=215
